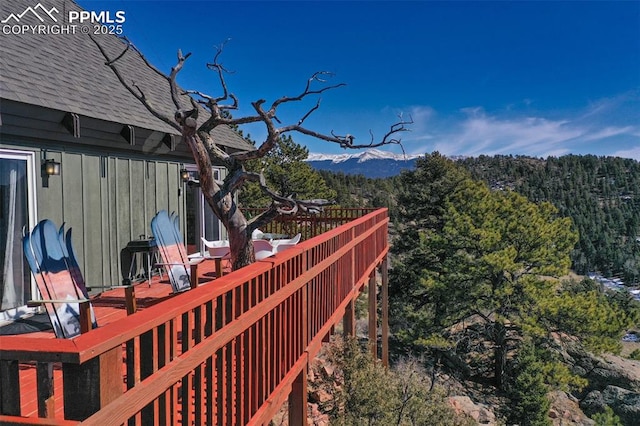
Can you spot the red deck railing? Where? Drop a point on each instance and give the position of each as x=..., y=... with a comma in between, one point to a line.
x=230, y=352
x=310, y=225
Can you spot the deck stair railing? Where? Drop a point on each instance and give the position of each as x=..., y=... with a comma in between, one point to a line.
x=229, y=353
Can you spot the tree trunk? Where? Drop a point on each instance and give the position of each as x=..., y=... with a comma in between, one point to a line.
x=240, y=243
x=222, y=203
x=500, y=354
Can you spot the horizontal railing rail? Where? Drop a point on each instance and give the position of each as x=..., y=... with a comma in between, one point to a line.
x=307, y=224
x=229, y=352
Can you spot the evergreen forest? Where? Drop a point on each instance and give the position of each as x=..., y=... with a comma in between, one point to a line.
x=600, y=194
x=486, y=285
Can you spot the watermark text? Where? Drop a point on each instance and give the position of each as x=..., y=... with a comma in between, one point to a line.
x=51, y=21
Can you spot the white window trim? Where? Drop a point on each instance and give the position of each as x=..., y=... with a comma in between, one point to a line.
x=200, y=208
x=32, y=219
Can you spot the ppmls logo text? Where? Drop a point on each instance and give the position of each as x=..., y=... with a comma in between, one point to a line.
x=102, y=17
x=51, y=22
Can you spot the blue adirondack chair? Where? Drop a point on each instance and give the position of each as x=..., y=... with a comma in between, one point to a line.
x=181, y=269
x=53, y=263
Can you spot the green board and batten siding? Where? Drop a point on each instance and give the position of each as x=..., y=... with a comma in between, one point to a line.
x=108, y=201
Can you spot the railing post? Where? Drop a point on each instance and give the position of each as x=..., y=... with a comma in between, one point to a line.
x=385, y=311
x=10, y=389
x=218, y=261
x=298, y=399
x=46, y=405
x=305, y=303
x=130, y=300
x=85, y=317
x=349, y=320
x=92, y=385
x=194, y=276
x=373, y=323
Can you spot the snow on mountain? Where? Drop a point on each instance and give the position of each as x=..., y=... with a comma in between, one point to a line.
x=371, y=163
x=371, y=154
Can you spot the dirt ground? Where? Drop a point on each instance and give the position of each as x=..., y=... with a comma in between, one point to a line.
x=628, y=347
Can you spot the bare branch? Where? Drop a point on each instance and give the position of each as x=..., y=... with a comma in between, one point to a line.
x=220, y=195
x=307, y=91
x=215, y=151
x=120, y=55
x=220, y=70
x=347, y=141
x=260, y=179
x=304, y=117
x=137, y=93
x=281, y=204
x=395, y=128
x=204, y=96
x=144, y=58
x=263, y=218
x=269, y=117
x=172, y=78
x=213, y=104
x=273, y=134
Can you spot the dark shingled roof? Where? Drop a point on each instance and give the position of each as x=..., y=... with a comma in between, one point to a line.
x=67, y=72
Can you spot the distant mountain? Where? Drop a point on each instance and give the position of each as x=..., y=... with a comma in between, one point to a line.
x=372, y=163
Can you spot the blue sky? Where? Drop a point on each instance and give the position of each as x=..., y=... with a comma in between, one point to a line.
x=532, y=78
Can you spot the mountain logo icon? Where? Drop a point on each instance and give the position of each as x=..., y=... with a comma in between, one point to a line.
x=38, y=11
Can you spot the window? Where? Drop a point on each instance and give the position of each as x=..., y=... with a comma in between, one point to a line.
x=17, y=211
x=201, y=221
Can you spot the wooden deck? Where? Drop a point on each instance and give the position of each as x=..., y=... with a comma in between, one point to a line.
x=229, y=352
x=109, y=306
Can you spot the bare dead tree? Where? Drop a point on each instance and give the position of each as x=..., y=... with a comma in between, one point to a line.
x=220, y=194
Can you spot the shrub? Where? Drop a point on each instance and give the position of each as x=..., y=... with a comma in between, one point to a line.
x=367, y=393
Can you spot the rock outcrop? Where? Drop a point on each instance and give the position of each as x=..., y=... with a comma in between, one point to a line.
x=480, y=413
x=607, y=370
x=565, y=410
x=613, y=381
x=624, y=403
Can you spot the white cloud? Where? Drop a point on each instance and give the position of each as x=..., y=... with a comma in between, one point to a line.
x=618, y=105
x=608, y=132
x=421, y=114
x=481, y=134
x=629, y=153
x=608, y=126
x=478, y=132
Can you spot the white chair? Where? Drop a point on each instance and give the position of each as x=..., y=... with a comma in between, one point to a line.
x=282, y=245
x=218, y=250
x=257, y=235
x=263, y=249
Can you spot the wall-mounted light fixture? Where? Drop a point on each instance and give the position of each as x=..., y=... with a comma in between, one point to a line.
x=184, y=175
x=50, y=167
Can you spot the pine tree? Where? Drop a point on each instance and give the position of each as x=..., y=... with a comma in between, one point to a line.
x=288, y=174
x=527, y=390
x=479, y=272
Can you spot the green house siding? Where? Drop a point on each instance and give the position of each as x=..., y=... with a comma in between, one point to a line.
x=107, y=201
x=110, y=201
